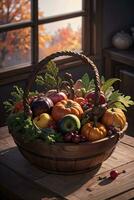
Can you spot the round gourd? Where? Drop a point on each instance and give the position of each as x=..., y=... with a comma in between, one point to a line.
x=65, y=107
x=114, y=117
x=93, y=133
x=79, y=100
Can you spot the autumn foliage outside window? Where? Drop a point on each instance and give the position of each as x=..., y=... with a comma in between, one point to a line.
x=15, y=45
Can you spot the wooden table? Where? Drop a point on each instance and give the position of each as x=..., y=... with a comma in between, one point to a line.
x=20, y=180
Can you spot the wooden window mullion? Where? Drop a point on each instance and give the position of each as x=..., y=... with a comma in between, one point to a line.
x=34, y=33
x=86, y=35
x=61, y=17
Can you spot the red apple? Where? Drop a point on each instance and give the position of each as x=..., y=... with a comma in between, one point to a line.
x=57, y=96
x=91, y=97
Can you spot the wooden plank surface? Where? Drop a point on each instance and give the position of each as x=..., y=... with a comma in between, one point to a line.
x=107, y=188
x=72, y=187
x=124, y=195
x=7, y=143
x=128, y=140
x=14, y=160
x=4, y=132
x=19, y=188
x=64, y=185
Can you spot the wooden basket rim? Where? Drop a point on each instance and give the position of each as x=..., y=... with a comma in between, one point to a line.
x=119, y=135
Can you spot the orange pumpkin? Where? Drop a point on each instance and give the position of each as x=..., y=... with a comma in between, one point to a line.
x=94, y=133
x=65, y=107
x=79, y=100
x=114, y=117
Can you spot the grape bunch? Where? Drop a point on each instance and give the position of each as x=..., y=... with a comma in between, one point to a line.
x=74, y=137
x=112, y=130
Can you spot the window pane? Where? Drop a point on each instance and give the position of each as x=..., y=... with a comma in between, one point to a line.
x=15, y=47
x=62, y=35
x=14, y=11
x=51, y=7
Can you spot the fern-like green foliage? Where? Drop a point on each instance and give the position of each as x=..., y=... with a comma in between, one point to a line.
x=50, y=78
x=88, y=83
x=16, y=96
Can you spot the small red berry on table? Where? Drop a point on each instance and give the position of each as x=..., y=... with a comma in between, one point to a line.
x=114, y=174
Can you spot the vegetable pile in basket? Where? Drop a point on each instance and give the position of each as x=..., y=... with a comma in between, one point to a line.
x=65, y=111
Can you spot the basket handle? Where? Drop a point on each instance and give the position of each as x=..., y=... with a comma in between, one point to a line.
x=44, y=61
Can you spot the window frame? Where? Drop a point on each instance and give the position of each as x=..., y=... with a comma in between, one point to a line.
x=88, y=45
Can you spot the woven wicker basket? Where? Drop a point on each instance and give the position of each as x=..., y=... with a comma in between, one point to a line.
x=66, y=158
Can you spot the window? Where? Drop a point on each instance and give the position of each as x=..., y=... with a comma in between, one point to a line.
x=31, y=30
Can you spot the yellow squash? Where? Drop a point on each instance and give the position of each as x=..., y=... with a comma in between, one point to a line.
x=94, y=133
x=114, y=117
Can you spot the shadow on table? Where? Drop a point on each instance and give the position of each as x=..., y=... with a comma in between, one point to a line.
x=61, y=184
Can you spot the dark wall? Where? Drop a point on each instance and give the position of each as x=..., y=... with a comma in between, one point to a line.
x=117, y=15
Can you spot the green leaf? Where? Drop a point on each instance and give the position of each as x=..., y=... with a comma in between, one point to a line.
x=52, y=69
x=59, y=82
x=19, y=124
x=91, y=86
x=18, y=90
x=118, y=105
x=126, y=100
x=33, y=93
x=50, y=80
x=107, y=84
x=17, y=93
x=109, y=92
x=114, y=96
x=51, y=136
x=85, y=80
x=40, y=80
x=8, y=105
x=118, y=100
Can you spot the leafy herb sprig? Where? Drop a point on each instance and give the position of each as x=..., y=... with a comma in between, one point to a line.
x=50, y=79
x=19, y=123
x=16, y=96
x=50, y=136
